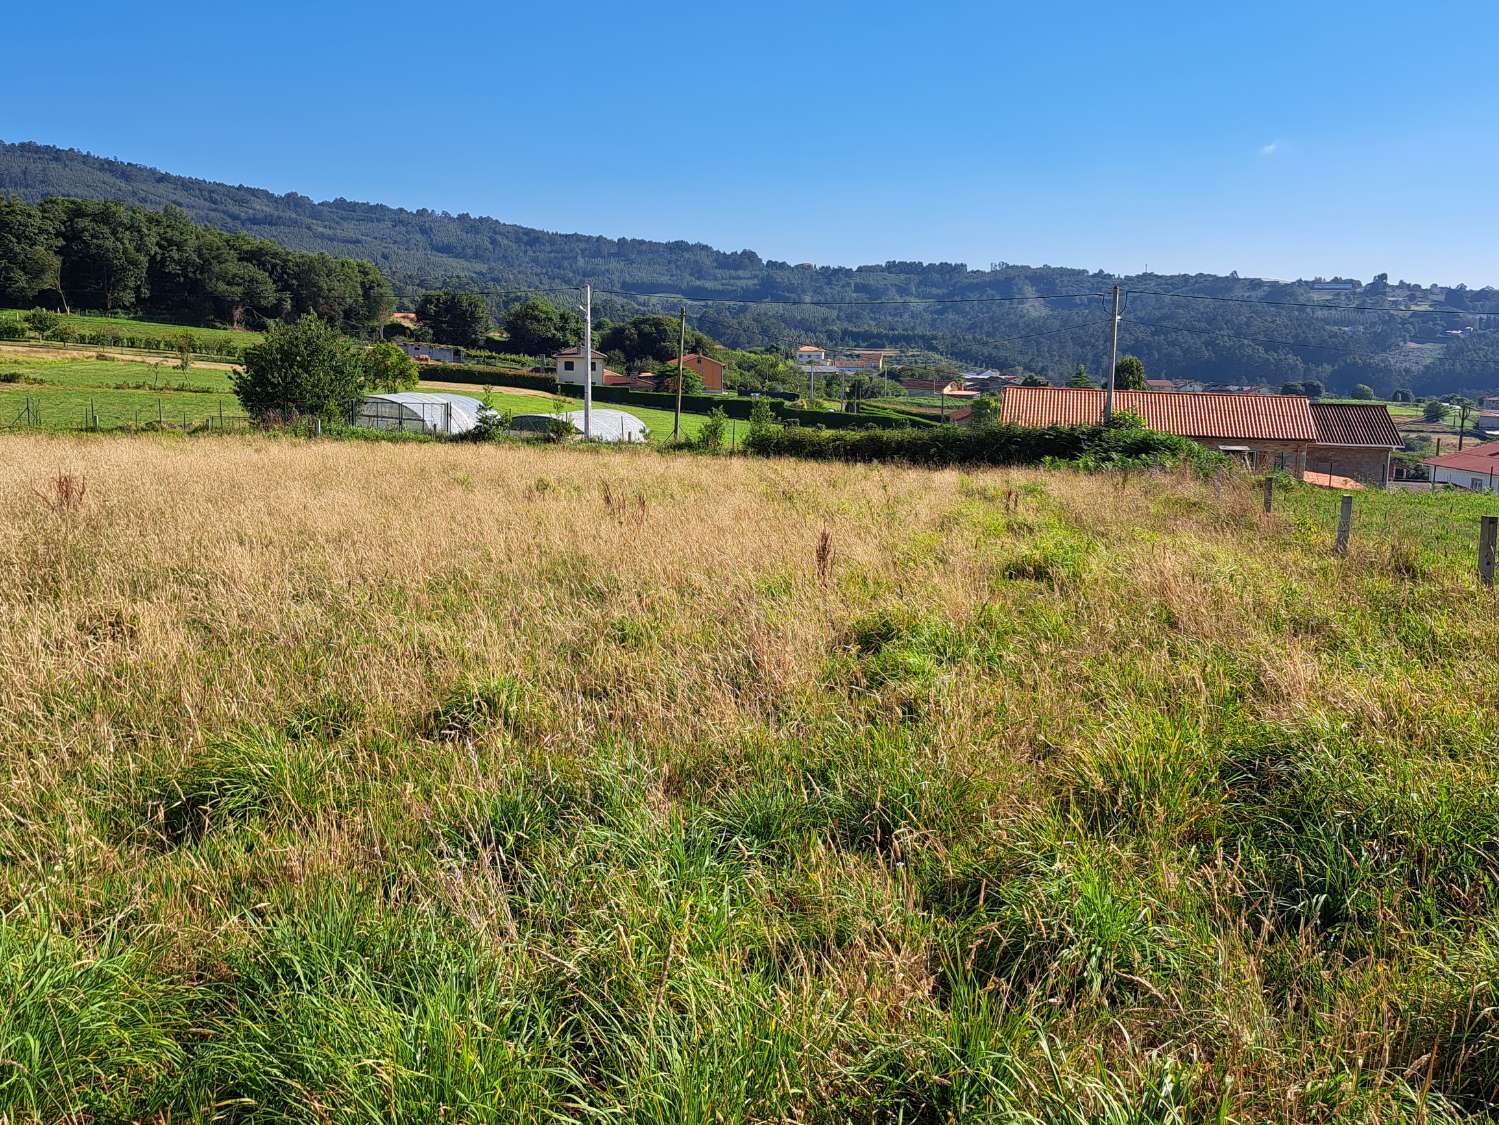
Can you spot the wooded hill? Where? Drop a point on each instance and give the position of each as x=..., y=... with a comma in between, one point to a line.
x=1221, y=340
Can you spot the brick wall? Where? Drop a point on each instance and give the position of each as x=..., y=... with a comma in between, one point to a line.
x=1372, y=466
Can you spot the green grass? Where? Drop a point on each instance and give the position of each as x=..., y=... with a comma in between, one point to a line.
x=209, y=341
x=358, y=781
x=64, y=394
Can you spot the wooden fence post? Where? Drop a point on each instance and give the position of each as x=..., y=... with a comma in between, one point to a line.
x=1488, y=540
x=1345, y=524
x=1269, y=494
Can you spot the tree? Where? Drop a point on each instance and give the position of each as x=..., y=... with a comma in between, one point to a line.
x=692, y=382
x=387, y=368
x=1313, y=388
x=1292, y=389
x=1403, y=395
x=455, y=318
x=43, y=321
x=986, y=410
x=1363, y=391
x=1081, y=378
x=538, y=327
x=1033, y=380
x=304, y=368
x=1129, y=374
x=1434, y=411
x=650, y=339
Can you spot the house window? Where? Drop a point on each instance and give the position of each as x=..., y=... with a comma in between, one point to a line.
x=1476, y=483
x=567, y=365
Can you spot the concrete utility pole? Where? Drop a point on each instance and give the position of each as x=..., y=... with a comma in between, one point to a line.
x=1462, y=423
x=676, y=424
x=1108, y=386
x=587, y=360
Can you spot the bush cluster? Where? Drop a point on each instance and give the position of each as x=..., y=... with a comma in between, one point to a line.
x=1125, y=442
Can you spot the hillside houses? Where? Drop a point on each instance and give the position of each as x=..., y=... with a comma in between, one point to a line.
x=855, y=361
x=1285, y=432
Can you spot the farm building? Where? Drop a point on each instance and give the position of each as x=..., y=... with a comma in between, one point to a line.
x=419, y=412
x=1475, y=468
x=1269, y=431
x=431, y=353
x=607, y=425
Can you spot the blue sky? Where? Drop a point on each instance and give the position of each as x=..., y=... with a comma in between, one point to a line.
x=1277, y=139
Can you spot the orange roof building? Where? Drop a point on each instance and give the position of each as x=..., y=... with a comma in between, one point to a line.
x=1269, y=431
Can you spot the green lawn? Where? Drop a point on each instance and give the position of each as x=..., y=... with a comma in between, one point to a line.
x=150, y=334
x=66, y=394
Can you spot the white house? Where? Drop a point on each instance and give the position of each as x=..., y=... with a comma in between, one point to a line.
x=432, y=353
x=809, y=354
x=1475, y=468
x=570, y=366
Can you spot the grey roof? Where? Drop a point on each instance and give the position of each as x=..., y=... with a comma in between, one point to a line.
x=438, y=412
x=607, y=425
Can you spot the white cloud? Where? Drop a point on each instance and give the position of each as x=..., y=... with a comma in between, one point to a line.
x=1270, y=149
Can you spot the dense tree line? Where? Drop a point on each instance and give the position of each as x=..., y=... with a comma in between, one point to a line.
x=1220, y=341
x=80, y=254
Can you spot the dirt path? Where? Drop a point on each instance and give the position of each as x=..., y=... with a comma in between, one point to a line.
x=30, y=351
x=476, y=390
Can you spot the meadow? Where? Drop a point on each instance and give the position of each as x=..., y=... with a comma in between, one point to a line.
x=361, y=781
x=151, y=334
x=70, y=393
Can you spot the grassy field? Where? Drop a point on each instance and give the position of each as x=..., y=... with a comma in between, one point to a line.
x=354, y=781
x=64, y=394
x=150, y=333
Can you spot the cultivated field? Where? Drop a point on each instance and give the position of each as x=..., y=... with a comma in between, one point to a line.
x=152, y=333
x=70, y=394
x=356, y=782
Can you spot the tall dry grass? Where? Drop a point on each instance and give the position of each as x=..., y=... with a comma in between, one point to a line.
x=375, y=781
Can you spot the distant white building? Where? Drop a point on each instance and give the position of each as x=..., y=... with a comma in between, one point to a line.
x=431, y=353
x=1475, y=468
x=570, y=366
x=809, y=353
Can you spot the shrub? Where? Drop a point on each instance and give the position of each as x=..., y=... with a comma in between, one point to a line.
x=12, y=329
x=1123, y=443
x=710, y=438
x=304, y=368
x=43, y=321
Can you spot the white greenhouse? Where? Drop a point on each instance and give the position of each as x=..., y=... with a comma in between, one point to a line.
x=419, y=412
x=607, y=425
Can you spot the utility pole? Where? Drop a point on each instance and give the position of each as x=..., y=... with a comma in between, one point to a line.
x=587, y=360
x=1108, y=386
x=676, y=424
x=1462, y=424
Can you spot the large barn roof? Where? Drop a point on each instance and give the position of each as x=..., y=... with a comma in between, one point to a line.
x=1355, y=423
x=1256, y=417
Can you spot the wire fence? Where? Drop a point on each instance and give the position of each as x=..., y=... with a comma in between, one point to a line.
x=80, y=415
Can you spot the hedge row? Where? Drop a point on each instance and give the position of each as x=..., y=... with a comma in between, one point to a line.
x=1123, y=443
x=732, y=406
x=488, y=376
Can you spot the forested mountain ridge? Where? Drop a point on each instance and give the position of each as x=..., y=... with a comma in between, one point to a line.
x=1220, y=340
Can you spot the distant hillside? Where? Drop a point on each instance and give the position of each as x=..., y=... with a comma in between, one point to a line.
x=1221, y=340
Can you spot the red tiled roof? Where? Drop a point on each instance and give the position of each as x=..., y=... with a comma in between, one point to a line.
x=808, y=348
x=1260, y=417
x=1355, y=423
x=615, y=379
x=1476, y=458
x=576, y=350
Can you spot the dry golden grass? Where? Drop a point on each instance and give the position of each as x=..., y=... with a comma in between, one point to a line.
x=781, y=786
